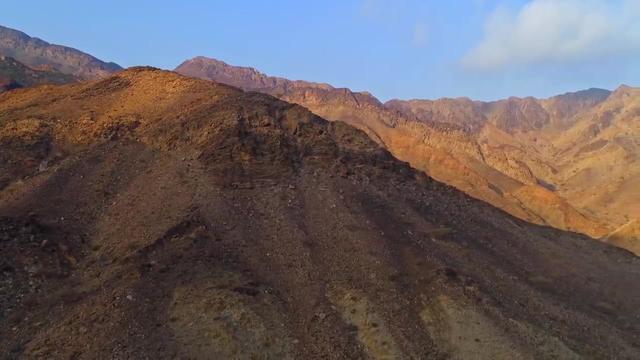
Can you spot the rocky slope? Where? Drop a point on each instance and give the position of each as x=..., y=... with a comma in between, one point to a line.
x=599, y=158
x=36, y=53
x=15, y=75
x=627, y=236
x=444, y=138
x=150, y=215
x=584, y=146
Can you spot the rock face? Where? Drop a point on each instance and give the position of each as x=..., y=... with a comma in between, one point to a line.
x=15, y=75
x=151, y=215
x=473, y=146
x=36, y=53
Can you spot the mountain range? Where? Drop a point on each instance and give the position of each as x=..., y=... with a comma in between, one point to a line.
x=570, y=161
x=217, y=212
x=167, y=217
x=35, y=53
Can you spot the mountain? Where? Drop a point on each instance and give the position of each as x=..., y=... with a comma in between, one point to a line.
x=509, y=115
x=599, y=166
x=242, y=77
x=591, y=158
x=36, y=53
x=584, y=146
x=16, y=75
x=151, y=215
x=447, y=146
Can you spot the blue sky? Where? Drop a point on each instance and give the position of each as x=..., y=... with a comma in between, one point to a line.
x=483, y=49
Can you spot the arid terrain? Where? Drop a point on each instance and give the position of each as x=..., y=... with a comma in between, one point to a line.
x=570, y=161
x=216, y=212
x=152, y=215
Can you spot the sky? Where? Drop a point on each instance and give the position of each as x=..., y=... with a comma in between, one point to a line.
x=406, y=49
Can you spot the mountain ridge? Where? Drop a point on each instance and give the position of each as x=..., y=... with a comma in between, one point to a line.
x=448, y=147
x=35, y=52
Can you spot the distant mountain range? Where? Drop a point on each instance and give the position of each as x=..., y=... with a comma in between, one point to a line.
x=39, y=54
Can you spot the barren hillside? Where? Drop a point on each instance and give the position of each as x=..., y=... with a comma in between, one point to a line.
x=150, y=215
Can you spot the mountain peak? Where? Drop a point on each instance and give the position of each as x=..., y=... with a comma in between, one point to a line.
x=246, y=78
x=592, y=95
x=212, y=62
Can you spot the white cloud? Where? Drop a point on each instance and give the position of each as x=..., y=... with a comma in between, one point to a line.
x=558, y=31
x=420, y=35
